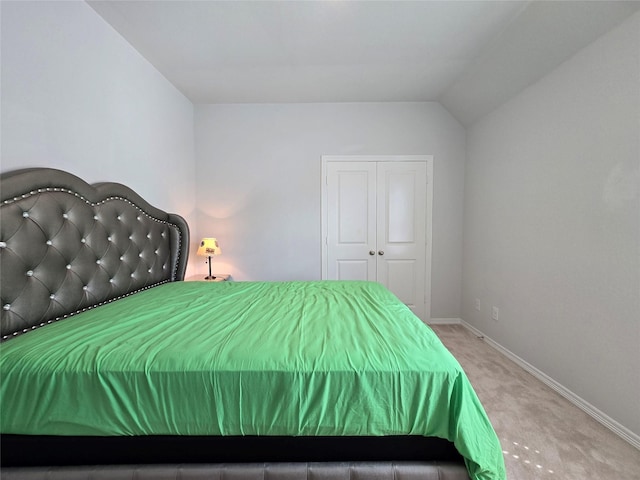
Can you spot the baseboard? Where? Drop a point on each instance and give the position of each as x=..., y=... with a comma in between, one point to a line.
x=444, y=321
x=601, y=417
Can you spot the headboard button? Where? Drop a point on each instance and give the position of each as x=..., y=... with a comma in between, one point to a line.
x=6, y=306
x=3, y=244
x=49, y=242
x=25, y=214
x=29, y=273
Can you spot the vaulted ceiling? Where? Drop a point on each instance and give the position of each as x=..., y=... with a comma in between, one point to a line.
x=469, y=55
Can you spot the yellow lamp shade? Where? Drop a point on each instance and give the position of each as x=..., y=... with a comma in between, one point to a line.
x=209, y=247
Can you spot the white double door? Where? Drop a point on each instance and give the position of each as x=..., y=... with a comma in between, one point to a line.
x=376, y=216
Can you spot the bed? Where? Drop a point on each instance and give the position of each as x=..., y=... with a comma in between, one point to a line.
x=113, y=367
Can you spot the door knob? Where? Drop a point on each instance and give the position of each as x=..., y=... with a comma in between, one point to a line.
x=380, y=252
x=371, y=252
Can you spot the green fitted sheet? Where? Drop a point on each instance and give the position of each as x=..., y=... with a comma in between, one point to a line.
x=245, y=358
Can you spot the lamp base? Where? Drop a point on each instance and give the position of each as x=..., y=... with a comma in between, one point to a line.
x=211, y=276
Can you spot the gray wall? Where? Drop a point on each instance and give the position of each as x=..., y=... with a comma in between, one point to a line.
x=76, y=96
x=552, y=224
x=258, y=185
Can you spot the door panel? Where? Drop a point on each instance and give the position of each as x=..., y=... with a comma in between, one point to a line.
x=353, y=209
x=400, y=188
x=400, y=275
x=353, y=270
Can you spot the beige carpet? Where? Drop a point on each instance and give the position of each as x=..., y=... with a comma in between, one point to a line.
x=543, y=435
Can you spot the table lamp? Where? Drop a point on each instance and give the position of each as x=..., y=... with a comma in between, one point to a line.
x=209, y=247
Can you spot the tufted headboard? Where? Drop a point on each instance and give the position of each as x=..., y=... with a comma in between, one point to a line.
x=67, y=246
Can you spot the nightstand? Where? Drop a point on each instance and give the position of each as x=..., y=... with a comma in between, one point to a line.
x=220, y=277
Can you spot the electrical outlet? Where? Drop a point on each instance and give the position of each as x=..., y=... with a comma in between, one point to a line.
x=494, y=313
x=477, y=304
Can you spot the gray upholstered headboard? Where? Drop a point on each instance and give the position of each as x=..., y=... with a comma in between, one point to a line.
x=67, y=246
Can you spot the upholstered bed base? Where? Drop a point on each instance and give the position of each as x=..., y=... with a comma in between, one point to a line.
x=252, y=471
x=230, y=458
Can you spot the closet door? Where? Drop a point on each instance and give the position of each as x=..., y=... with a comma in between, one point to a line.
x=400, y=220
x=375, y=226
x=351, y=233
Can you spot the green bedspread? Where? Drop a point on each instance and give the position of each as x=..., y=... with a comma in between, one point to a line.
x=245, y=358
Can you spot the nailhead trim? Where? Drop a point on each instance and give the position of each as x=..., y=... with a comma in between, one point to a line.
x=90, y=307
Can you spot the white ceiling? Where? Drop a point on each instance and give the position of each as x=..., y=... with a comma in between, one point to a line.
x=469, y=55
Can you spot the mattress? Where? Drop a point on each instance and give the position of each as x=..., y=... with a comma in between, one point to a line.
x=327, y=358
